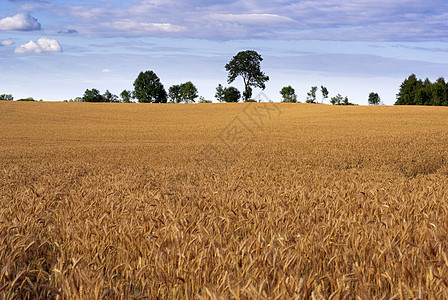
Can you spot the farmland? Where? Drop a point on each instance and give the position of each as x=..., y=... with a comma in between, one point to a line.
x=223, y=201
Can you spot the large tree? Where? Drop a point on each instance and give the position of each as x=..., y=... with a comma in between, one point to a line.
x=149, y=89
x=247, y=65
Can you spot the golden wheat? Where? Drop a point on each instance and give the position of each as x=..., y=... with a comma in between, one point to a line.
x=223, y=201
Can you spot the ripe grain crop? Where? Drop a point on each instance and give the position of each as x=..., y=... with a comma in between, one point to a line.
x=134, y=201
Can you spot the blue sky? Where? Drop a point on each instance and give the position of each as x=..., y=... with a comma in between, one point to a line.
x=55, y=50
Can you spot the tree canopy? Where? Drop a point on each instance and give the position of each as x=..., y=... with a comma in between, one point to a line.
x=312, y=95
x=109, y=97
x=188, y=92
x=185, y=92
x=149, y=89
x=288, y=94
x=325, y=93
x=339, y=100
x=231, y=94
x=247, y=64
x=126, y=96
x=228, y=94
x=374, y=99
x=174, y=93
x=92, y=95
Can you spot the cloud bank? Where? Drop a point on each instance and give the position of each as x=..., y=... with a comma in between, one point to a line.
x=381, y=20
x=348, y=20
x=133, y=28
x=20, y=22
x=43, y=45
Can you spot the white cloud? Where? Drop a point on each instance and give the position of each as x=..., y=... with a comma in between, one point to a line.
x=142, y=27
x=259, y=19
x=106, y=71
x=21, y=22
x=6, y=43
x=42, y=45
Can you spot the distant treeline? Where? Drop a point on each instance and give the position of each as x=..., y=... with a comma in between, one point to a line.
x=414, y=91
x=9, y=97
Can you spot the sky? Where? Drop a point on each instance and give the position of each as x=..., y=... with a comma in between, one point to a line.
x=55, y=50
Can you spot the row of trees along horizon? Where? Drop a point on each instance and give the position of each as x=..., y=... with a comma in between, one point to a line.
x=247, y=64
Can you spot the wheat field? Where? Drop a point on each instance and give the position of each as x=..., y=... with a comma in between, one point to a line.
x=223, y=201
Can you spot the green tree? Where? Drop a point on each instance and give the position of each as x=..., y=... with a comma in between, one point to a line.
x=109, y=97
x=6, y=97
x=228, y=94
x=426, y=94
x=419, y=97
x=149, y=89
x=374, y=99
x=231, y=94
x=324, y=92
x=219, y=95
x=188, y=92
x=443, y=93
x=439, y=92
x=312, y=95
x=174, y=93
x=126, y=96
x=185, y=92
x=408, y=89
x=92, y=95
x=337, y=100
x=247, y=64
x=288, y=94
x=414, y=91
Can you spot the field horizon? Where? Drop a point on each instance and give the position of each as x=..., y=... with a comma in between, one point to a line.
x=219, y=201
